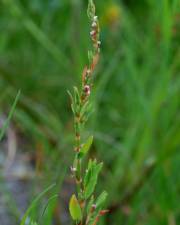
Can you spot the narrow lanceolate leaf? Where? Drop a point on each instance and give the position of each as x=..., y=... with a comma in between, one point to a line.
x=76, y=96
x=72, y=102
x=2, y=131
x=85, y=108
x=91, y=178
x=85, y=148
x=75, y=209
x=88, y=173
x=101, y=199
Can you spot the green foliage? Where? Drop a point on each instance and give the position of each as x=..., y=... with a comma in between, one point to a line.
x=85, y=183
x=34, y=203
x=101, y=199
x=9, y=116
x=86, y=146
x=91, y=177
x=135, y=98
x=75, y=209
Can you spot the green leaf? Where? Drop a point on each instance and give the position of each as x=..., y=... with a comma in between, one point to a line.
x=76, y=96
x=2, y=131
x=70, y=95
x=72, y=102
x=85, y=148
x=80, y=155
x=101, y=199
x=33, y=204
x=75, y=209
x=48, y=203
x=91, y=177
x=85, y=108
x=88, y=173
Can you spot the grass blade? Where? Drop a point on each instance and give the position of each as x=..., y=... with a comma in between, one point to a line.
x=9, y=116
x=33, y=204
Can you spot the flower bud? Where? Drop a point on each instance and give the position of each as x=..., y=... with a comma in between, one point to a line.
x=92, y=33
x=94, y=24
x=94, y=206
x=87, y=90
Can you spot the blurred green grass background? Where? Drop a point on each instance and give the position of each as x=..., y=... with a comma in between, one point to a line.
x=136, y=118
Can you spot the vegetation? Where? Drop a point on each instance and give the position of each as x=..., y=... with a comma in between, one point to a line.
x=84, y=209
x=135, y=101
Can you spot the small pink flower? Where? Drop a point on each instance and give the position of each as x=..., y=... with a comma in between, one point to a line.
x=92, y=33
x=87, y=90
